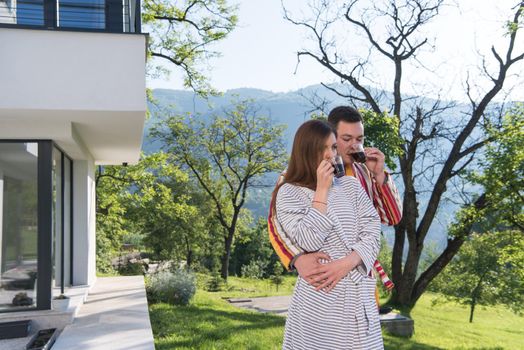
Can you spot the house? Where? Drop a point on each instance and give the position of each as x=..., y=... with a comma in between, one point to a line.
x=72, y=97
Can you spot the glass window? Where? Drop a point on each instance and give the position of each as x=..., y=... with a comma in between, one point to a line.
x=29, y=12
x=81, y=14
x=57, y=215
x=61, y=219
x=18, y=224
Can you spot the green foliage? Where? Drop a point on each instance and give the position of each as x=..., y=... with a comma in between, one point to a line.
x=215, y=283
x=502, y=175
x=254, y=269
x=167, y=211
x=382, y=132
x=488, y=270
x=277, y=279
x=111, y=186
x=176, y=287
x=225, y=157
x=253, y=245
x=131, y=269
x=182, y=32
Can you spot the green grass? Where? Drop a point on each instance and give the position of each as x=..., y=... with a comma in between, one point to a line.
x=446, y=326
x=210, y=322
x=250, y=287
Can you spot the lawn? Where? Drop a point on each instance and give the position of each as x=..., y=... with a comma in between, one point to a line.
x=210, y=322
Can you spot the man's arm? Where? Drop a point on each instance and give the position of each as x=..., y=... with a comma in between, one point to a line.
x=285, y=249
x=387, y=200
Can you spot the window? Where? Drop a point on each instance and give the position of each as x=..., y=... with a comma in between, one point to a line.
x=81, y=14
x=18, y=224
x=35, y=223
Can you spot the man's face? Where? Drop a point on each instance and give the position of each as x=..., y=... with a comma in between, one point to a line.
x=349, y=134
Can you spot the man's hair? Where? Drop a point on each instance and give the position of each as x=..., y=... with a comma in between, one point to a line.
x=345, y=114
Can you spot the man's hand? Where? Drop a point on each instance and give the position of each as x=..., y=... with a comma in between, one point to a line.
x=375, y=163
x=306, y=263
x=326, y=276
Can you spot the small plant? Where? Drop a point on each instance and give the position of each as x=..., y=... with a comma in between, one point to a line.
x=215, y=283
x=61, y=297
x=21, y=299
x=176, y=287
x=277, y=278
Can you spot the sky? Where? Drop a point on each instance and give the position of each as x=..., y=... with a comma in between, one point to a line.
x=261, y=51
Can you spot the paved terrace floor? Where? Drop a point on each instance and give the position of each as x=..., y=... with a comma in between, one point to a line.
x=115, y=316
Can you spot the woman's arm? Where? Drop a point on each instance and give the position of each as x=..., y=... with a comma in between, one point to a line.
x=302, y=222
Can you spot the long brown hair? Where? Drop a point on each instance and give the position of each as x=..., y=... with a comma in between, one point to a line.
x=306, y=154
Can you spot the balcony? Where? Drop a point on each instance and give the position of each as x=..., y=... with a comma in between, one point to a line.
x=73, y=71
x=114, y=16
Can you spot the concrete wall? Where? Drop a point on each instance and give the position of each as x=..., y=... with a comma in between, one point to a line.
x=61, y=82
x=61, y=70
x=84, y=222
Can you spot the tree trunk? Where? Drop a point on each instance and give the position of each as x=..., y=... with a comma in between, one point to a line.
x=404, y=289
x=189, y=259
x=472, y=309
x=228, y=242
x=189, y=254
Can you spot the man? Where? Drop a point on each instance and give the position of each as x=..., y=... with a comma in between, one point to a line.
x=375, y=180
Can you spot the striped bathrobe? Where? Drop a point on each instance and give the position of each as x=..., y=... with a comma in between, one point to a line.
x=346, y=317
x=385, y=198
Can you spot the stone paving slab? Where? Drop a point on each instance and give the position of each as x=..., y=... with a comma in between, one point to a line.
x=115, y=316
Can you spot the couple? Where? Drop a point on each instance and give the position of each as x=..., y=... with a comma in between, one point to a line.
x=333, y=305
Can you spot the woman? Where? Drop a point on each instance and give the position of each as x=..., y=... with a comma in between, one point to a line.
x=334, y=215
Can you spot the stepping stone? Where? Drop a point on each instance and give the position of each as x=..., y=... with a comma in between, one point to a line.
x=238, y=300
x=398, y=325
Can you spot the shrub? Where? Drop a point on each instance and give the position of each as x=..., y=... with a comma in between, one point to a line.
x=277, y=278
x=215, y=283
x=176, y=287
x=132, y=269
x=255, y=269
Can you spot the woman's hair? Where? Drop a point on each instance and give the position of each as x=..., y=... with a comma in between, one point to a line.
x=306, y=155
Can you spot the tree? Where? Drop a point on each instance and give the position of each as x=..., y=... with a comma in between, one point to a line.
x=154, y=205
x=488, y=270
x=427, y=170
x=253, y=246
x=438, y=144
x=164, y=208
x=225, y=156
x=182, y=33
x=111, y=185
x=501, y=173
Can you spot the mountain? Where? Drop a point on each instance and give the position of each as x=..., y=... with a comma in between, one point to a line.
x=290, y=109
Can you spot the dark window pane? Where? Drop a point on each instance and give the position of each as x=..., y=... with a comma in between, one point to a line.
x=26, y=12
x=81, y=14
x=18, y=224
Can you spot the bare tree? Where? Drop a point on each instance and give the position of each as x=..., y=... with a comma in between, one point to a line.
x=393, y=30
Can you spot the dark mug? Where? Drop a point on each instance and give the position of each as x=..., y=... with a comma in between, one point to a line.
x=358, y=154
x=339, y=166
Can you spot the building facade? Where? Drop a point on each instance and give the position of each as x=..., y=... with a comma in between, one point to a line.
x=72, y=96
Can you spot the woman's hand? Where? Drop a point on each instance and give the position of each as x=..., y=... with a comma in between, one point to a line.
x=307, y=262
x=325, y=172
x=328, y=275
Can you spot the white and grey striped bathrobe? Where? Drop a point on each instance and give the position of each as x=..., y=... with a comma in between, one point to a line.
x=346, y=317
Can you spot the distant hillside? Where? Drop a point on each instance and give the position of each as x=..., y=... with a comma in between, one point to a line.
x=290, y=109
